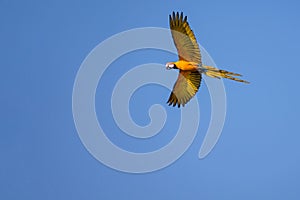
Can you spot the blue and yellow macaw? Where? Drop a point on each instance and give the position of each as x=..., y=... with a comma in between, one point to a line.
x=189, y=63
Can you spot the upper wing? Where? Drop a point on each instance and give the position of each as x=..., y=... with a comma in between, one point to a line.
x=184, y=39
x=186, y=86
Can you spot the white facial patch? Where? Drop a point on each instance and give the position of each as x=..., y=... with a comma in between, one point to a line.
x=169, y=66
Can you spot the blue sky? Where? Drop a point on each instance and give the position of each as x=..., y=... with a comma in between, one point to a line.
x=42, y=48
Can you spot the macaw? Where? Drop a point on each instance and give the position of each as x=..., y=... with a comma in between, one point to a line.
x=189, y=63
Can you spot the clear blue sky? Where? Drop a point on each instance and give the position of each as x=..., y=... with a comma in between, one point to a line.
x=42, y=47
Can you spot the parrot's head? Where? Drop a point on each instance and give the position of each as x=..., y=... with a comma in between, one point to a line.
x=171, y=65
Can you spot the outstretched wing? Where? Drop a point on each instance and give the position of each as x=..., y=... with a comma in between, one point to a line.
x=184, y=39
x=186, y=86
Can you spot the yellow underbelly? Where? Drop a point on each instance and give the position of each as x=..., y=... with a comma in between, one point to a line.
x=185, y=65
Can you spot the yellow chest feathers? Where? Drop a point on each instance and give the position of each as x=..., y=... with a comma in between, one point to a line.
x=185, y=65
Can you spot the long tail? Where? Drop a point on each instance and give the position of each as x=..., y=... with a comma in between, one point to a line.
x=217, y=73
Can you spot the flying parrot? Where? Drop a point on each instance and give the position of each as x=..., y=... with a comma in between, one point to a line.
x=189, y=63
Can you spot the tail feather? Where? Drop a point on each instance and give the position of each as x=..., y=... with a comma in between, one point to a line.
x=216, y=73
